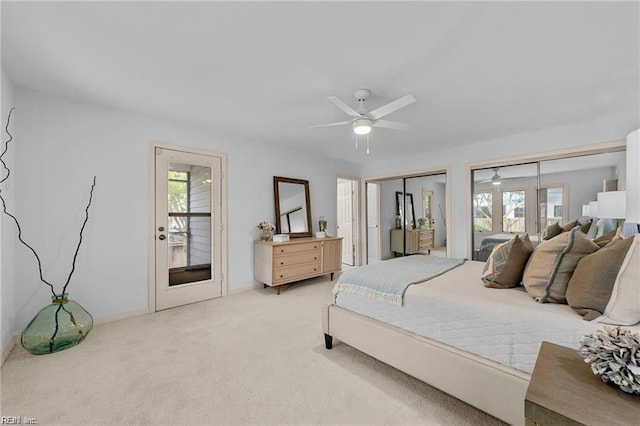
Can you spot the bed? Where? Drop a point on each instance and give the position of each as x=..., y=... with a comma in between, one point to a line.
x=475, y=343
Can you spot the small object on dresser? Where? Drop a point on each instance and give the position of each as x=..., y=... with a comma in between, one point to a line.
x=280, y=238
x=322, y=224
x=266, y=229
x=321, y=234
x=614, y=355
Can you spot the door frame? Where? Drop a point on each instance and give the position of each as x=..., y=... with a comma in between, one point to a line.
x=151, y=218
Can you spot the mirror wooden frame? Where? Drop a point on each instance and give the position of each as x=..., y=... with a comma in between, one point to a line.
x=276, y=192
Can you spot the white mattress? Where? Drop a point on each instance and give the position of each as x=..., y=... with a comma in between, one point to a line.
x=503, y=325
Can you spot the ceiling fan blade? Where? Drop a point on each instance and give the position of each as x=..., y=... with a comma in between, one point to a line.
x=339, y=123
x=391, y=107
x=346, y=108
x=386, y=124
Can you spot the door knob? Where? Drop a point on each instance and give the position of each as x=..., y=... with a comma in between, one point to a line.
x=161, y=228
x=161, y=237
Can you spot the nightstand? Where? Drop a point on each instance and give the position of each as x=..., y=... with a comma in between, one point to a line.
x=564, y=391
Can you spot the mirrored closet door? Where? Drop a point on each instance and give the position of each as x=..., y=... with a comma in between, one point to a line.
x=530, y=198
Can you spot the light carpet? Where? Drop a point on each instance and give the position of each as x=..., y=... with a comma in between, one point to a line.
x=249, y=358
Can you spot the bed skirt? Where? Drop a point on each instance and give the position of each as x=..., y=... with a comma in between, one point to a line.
x=487, y=385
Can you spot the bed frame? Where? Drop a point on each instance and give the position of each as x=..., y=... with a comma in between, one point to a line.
x=487, y=385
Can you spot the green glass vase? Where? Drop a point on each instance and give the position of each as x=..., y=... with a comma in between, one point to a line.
x=58, y=326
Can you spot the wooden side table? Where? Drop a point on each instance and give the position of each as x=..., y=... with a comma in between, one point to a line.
x=564, y=391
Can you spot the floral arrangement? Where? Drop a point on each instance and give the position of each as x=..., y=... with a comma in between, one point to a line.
x=266, y=225
x=614, y=355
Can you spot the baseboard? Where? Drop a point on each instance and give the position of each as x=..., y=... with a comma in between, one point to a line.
x=8, y=348
x=254, y=286
x=121, y=316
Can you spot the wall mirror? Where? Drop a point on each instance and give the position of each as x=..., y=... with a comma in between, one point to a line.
x=406, y=205
x=293, y=210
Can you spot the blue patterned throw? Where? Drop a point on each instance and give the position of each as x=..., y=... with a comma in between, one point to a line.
x=387, y=281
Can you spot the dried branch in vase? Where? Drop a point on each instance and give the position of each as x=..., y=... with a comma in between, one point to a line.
x=63, y=323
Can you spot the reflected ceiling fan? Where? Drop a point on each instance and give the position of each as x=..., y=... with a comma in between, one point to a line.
x=362, y=120
x=496, y=180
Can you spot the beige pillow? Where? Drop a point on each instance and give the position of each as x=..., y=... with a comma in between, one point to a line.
x=506, y=263
x=624, y=306
x=591, y=284
x=605, y=239
x=551, y=265
x=569, y=226
x=586, y=226
x=551, y=231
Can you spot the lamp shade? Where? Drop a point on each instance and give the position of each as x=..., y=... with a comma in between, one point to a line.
x=612, y=204
x=585, y=210
x=593, y=208
x=633, y=177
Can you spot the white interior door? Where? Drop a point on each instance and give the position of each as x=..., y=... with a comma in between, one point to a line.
x=345, y=220
x=188, y=239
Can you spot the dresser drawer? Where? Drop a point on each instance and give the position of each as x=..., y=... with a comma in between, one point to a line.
x=296, y=259
x=282, y=275
x=295, y=248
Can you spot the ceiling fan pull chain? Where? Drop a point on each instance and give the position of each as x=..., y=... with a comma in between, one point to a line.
x=356, y=140
x=367, y=144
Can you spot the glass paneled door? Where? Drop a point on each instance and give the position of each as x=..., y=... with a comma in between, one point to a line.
x=187, y=228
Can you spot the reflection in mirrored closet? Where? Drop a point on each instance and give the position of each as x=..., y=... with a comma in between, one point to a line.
x=529, y=198
x=406, y=216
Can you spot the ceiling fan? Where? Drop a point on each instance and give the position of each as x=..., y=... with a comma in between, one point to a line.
x=362, y=120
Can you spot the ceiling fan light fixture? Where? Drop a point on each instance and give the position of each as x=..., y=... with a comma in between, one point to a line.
x=362, y=126
x=496, y=179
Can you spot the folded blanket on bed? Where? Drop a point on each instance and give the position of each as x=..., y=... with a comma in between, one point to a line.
x=387, y=281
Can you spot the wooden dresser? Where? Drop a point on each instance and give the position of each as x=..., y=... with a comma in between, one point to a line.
x=418, y=240
x=564, y=391
x=276, y=264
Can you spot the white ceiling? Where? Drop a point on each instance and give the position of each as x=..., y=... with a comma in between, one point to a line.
x=262, y=71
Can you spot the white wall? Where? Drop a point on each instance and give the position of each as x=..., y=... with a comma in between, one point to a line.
x=63, y=143
x=575, y=135
x=7, y=228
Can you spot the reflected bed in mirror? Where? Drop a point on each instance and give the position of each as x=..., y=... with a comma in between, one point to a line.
x=293, y=210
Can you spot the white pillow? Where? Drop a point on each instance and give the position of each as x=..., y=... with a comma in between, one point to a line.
x=593, y=229
x=624, y=305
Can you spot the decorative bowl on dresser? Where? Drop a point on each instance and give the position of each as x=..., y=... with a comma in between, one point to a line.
x=276, y=264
